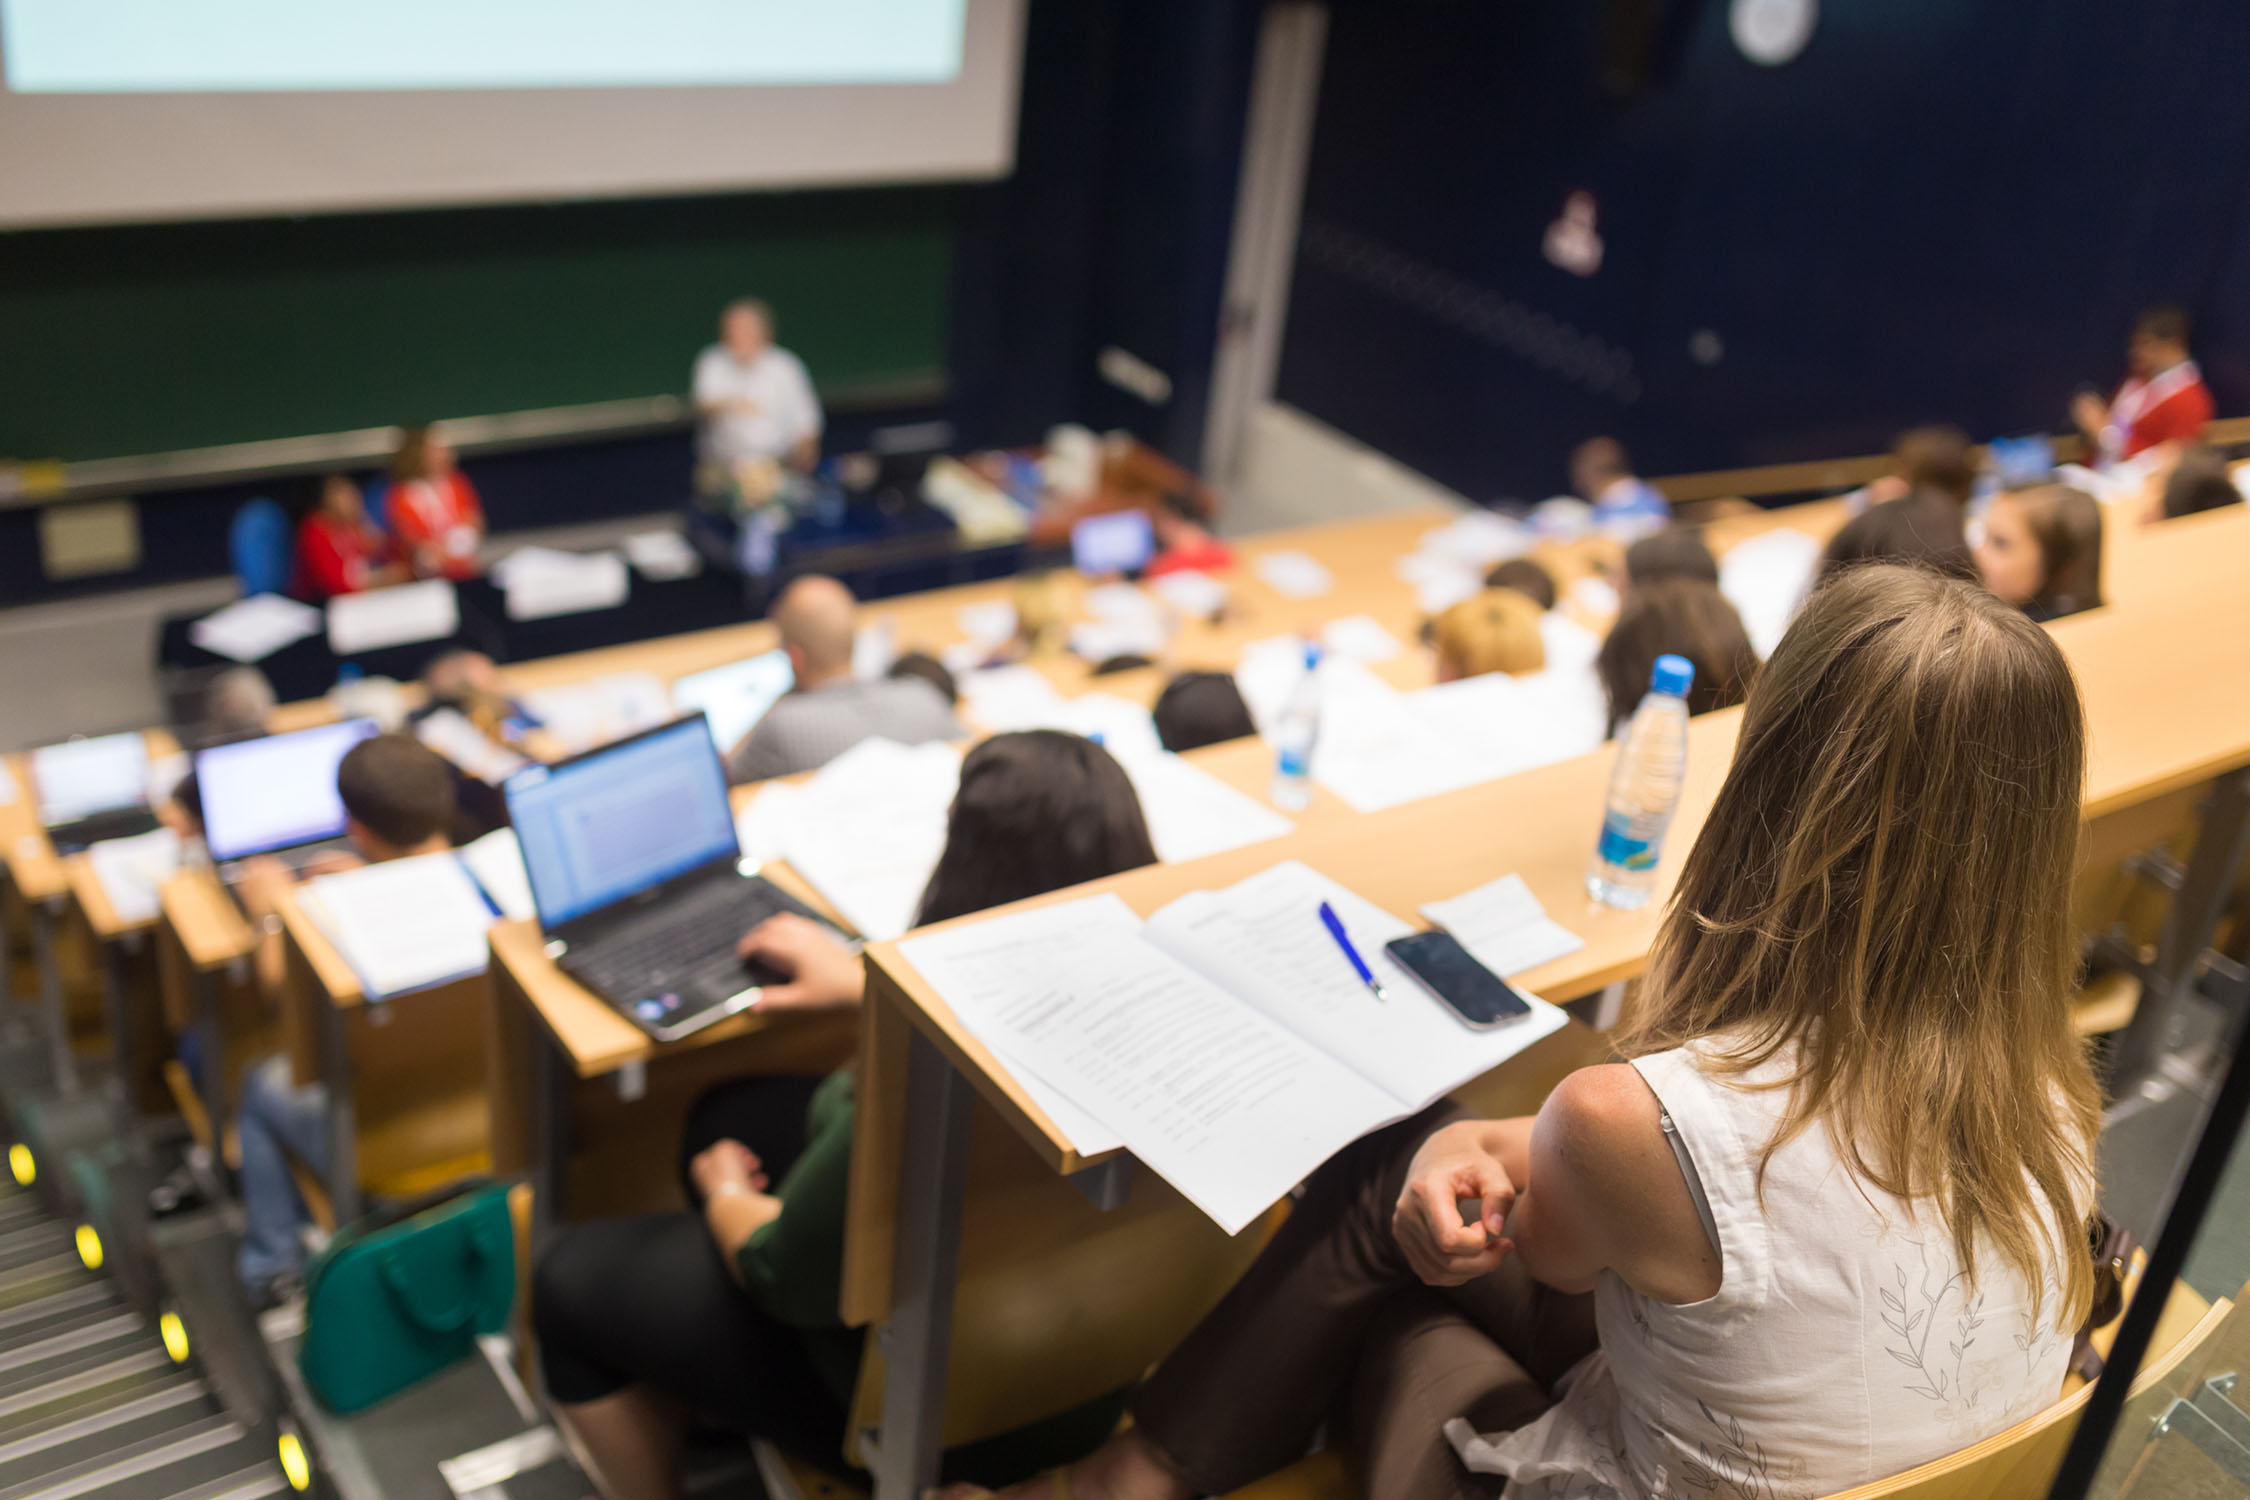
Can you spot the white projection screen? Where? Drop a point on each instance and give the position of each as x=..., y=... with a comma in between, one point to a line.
x=116, y=111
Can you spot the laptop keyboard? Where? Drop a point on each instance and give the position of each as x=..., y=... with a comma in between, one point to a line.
x=699, y=935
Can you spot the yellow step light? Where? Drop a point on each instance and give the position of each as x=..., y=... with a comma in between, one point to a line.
x=295, y=1467
x=175, y=1336
x=21, y=1166
x=89, y=1247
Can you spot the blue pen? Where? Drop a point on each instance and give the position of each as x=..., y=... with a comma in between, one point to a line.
x=1335, y=926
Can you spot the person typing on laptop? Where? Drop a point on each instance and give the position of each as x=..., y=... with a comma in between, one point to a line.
x=398, y=801
x=829, y=710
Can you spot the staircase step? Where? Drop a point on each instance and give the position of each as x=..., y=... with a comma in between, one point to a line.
x=119, y=1379
x=123, y=1425
x=28, y=1367
x=154, y=1466
x=23, y=1244
x=68, y=1308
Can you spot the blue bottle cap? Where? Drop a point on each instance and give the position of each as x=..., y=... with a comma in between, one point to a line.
x=1673, y=675
x=1312, y=655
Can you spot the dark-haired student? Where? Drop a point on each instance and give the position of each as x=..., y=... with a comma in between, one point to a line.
x=2163, y=399
x=1526, y=578
x=2042, y=550
x=398, y=802
x=1201, y=708
x=1922, y=530
x=2201, y=480
x=1854, y=1089
x=1937, y=459
x=1677, y=617
x=930, y=670
x=1675, y=552
x=728, y=1314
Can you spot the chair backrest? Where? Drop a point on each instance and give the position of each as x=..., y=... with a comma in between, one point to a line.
x=258, y=545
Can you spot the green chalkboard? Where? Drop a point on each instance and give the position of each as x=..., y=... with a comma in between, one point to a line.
x=148, y=338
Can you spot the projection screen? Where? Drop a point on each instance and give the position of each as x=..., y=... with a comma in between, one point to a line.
x=122, y=110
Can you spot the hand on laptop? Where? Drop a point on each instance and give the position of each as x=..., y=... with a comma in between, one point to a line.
x=822, y=973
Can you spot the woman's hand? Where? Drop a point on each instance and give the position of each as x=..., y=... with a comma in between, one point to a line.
x=1444, y=1249
x=819, y=972
x=727, y=1167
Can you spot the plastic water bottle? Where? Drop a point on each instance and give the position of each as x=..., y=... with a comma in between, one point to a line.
x=1294, y=734
x=1644, y=790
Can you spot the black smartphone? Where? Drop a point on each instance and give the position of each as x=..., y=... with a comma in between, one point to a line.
x=1479, y=997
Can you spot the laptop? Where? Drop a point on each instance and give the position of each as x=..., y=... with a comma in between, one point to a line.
x=1122, y=541
x=275, y=795
x=638, y=879
x=736, y=696
x=92, y=790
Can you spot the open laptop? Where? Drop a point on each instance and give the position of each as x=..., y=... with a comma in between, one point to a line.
x=1122, y=541
x=736, y=696
x=638, y=878
x=91, y=790
x=275, y=794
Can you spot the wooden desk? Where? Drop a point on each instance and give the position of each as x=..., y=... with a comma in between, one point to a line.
x=204, y=945
x=116, y=939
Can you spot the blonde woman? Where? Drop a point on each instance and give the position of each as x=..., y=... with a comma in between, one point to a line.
x=1496, y=631
x=1828, y=1220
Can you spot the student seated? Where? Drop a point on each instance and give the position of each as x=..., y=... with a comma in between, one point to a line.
x=2163, y=399
x=398, y=800
x=433, y=511
x=1935, y=460
x=1201, y=708
x=2042, y=550
x=1679, y=617
x=2201, y=480
x=829, y=710
x=1497, y=631
x=1925, y=531
x=1183, y=543
x=1526, y=578
x=930, y=670
x=1601, y=474
x=1676, y=552
x=1853, y=1129
x=237, y=704
x=339, y=550
x=729, y=1313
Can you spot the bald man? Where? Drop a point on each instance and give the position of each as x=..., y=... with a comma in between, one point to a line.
x=829, y=711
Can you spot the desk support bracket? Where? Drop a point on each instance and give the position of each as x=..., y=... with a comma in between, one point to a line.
x=51, y=996
x=1107, y=1184
x=343, y=1123
x=934, y=1170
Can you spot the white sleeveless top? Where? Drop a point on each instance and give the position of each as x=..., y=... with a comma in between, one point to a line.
x=1843, y=1345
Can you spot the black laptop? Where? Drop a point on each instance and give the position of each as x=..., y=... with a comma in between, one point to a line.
x=639, y=881
x=91, y=790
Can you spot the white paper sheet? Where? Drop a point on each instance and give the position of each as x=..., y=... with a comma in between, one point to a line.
x=1192, y=813
x=132, y=870
x=764, y=825
x=874, y=648
x=1766, y=578
x=1513, y=724
x=1011, y=697
x=1295, y=575
x=607, y=708
x=1267, y=673
x=404, y=924
x=1569, y=645
x=1119, y=725
x=1595, y=596
x=451, y=735
x=1097, y=641
x=868, y=828
x=1375, y=752
x=1503, y=926
x=253, y=629
x=1479, y=538
x=496, y=860
x=1196, y=595
x=989, y=623
x=1362, y=638
x=425, y=611
x=662, y=555
x=540, y=584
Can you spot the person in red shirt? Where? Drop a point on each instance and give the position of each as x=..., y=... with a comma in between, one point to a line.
x=433, y=510
x=338, y=550
x=2163, y=399
x=1183, y=544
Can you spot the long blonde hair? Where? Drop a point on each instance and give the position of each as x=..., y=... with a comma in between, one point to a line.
x=1882, y=892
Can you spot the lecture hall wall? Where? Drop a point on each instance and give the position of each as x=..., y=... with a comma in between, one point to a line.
x=1942, y=209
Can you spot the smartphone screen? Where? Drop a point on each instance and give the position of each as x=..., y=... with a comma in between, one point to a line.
x=1474, y=993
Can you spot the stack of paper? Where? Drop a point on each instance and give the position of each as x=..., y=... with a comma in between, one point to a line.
x=1295, y=575
x=451, y=735
x=1766, y=577
x=662, y=555
x=255, y=628
x=982, y=512
x=867, y=829
x=405, y=924
x=1226, y=1042
x=132, y=871
x=496, y=860
x=1504, y=927
x=425, y=611
x=597, y=712
x=540, y=582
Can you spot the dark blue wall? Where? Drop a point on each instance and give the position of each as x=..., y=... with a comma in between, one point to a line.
x=1944, y=209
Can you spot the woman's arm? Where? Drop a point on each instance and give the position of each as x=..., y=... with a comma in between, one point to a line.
x=736, y=1204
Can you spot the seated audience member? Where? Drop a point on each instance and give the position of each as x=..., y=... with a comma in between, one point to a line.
x=1601, y=473
x=932, y=671
x=729, y=1313
x=1497, y=631
x=2042, y=550
x=1526, y=578
x=1201, y=708
x=1675, y=552
x=1937, y=459
x=398, y=799
x=2163, y=399
x=468, y=683
x=1183, y=543
x=1853, y=1088
x=339, y=550
x=433, y=511
x=753, y=398
x=1680, y=617
x=829, y=710
x=2201, y=480
x=1922, y=531
x=238, y=704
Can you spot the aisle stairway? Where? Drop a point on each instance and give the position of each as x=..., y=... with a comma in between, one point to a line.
x=91, y=1403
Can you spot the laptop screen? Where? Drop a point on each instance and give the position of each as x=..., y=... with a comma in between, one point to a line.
x=275, y=792
x=615, y=822
x=84, y=777
x=736, y=696
x=1120, y=542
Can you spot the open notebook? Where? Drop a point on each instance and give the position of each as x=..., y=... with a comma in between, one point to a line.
x=410, y=924
x=1225, y=1041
